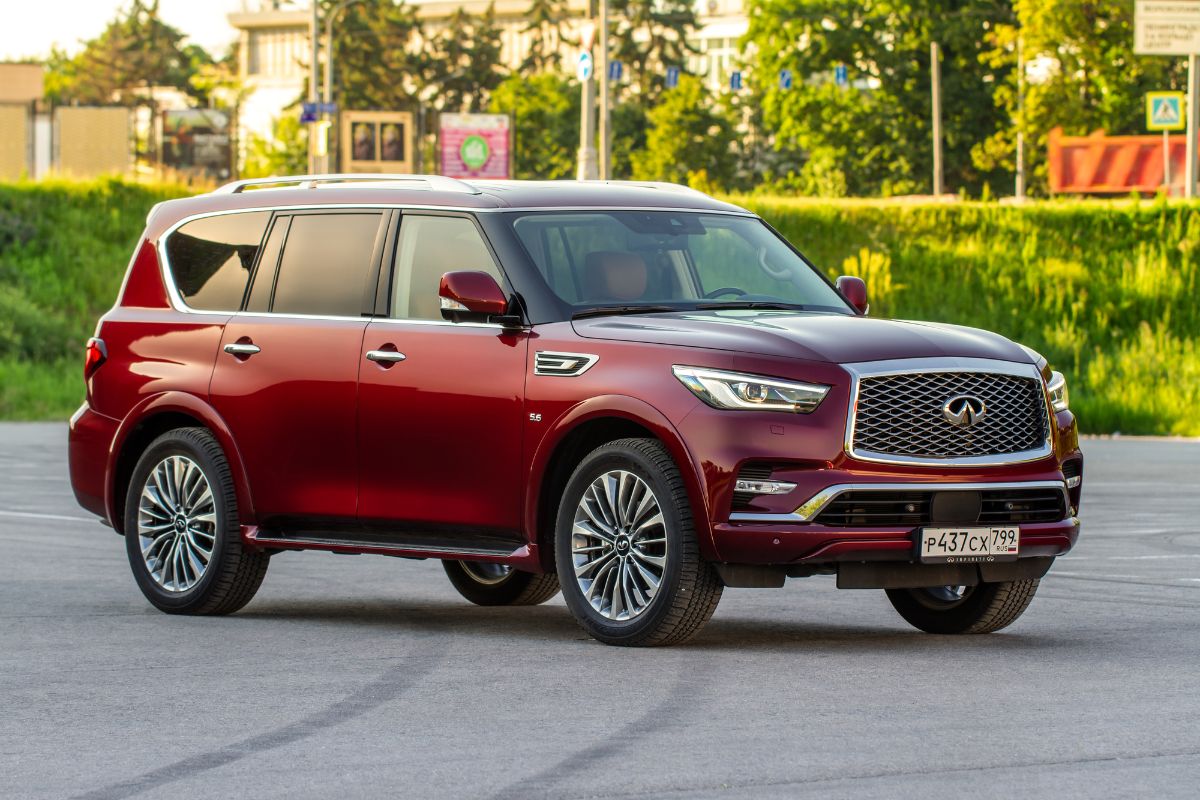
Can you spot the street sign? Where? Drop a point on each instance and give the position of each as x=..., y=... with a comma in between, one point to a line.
x=672, y=77
x=327, y=108
x=735, y=80
x=308, y=113
x=1166, y=28
x=585, y=66
x=615, y=70
x=785, y=79
x=1164, y=111
x=840, y=76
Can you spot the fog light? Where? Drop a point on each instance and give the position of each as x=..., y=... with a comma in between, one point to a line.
x=763, y=487
x=1074, y=481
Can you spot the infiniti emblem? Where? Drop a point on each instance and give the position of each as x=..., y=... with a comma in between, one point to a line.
x=964, y=411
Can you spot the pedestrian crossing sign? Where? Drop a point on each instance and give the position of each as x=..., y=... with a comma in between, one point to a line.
x=1164, y=111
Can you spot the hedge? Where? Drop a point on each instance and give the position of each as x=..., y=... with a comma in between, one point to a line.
x=1106, y=290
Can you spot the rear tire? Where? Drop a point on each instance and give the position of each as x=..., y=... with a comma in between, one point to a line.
x=489, y=584
x=626, y=549
x=182, y=531
x=984, y=608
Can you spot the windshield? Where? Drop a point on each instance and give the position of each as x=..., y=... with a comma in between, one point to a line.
x=632, y=261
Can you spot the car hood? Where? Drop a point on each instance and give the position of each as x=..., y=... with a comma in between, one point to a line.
x=834, y=338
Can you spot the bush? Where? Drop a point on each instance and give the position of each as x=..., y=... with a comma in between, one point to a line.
x=1106, y=291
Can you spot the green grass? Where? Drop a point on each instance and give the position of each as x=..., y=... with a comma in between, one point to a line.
x=1106, y=290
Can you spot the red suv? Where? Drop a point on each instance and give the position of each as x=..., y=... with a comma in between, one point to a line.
x=632, y=392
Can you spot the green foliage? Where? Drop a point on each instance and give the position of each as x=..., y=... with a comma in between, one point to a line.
x=465, y=61
x=689, y=134
x=545, y=27
x=136, y=50
x=1084, y=77
x=378, y=64
x=649, y=35
x=545, y=112
x=285, y=153
x=59, y=271
x=1105, y=291
x=874, y=138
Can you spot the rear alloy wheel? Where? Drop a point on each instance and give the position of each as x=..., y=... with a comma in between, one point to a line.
x=486, y=583
x=626, y=548
x=182, y=533
x=983, y=608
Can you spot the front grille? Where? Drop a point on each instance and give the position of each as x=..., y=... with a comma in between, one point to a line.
x=865, y=508
x=901, y=415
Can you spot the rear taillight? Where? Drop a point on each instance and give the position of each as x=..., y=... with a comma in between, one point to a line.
x=96, y=355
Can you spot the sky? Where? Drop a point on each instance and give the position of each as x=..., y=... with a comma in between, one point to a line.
x=31, y=27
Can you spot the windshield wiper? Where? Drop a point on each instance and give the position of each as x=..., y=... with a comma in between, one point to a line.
x=604, y=311
x=769, y=304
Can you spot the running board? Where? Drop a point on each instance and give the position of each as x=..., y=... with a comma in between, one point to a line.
x=420, y=544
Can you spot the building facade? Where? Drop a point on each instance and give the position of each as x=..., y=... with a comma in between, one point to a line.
x=274, y=48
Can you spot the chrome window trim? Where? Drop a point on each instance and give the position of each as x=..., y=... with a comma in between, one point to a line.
x=911, y=366
x=811, y=508
x=176, y=300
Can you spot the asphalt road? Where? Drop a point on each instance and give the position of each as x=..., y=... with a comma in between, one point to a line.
x=369, y=676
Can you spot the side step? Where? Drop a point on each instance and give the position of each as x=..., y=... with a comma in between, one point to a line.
x=421, y=543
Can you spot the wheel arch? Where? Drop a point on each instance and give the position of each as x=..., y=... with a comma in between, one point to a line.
x=150, y=419
x=581, y=430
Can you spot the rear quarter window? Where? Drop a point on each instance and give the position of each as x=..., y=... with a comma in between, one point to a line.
x=210, y=259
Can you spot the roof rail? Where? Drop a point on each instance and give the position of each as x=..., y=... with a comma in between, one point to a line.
x=436, y=183
x=677, y=188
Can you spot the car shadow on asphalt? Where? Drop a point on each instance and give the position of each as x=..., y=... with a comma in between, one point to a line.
x=554, y=623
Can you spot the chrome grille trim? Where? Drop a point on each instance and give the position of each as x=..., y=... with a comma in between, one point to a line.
x=1043, y=441
x=811, y=508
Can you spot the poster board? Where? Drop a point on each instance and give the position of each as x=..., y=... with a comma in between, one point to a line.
x=378, y=141
x=197, y=141
x=474, y=145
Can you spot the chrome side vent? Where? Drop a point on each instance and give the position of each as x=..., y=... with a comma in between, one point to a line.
x=563, y=365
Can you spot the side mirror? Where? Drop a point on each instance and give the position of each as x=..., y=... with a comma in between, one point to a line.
x=855, y=292
x=472, y=292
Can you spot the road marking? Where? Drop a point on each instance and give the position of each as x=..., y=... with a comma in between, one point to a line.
x=33, y=515
x=1131, y=558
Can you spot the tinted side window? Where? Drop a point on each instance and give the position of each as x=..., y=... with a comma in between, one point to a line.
x=326, y=264
x=264, y=274
x=430, y=247
x=211, y=258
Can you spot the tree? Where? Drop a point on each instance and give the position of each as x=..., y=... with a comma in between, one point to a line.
x=545, y=26
x=378, y=61
x=136, y=52
x=465, y=61
x=1082, y=76
x=875, y=136
x=545, y=113
x=690, y=139
x=649, y=36
x=284, y=153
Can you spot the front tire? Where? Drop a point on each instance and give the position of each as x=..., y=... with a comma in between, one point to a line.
x=626, y=549
x=182, y=533
x=983, y=608
x=488, y=584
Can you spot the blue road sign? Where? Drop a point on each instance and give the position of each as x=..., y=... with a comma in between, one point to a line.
x=840, y=76
x=785, y=79
x=672, y=77
x=327, y=108
x=735, y=80
x=615, y=70
x=585, y=66
x=308, y=113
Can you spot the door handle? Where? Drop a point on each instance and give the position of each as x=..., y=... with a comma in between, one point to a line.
x=384, y=356
x=242, y=349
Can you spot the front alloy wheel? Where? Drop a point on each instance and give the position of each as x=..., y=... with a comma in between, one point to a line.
x=626, y=550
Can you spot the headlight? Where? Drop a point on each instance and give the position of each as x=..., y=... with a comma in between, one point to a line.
x=1057, y=387
x=750, y=392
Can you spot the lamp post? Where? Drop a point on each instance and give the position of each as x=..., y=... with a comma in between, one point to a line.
x=328, y=92
x=313, y=30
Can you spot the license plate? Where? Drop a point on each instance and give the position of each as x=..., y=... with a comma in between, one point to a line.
x=968, y=545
